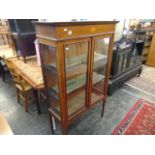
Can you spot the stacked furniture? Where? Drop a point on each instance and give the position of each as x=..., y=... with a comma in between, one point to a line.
x=151, y=56
x=126, y=63
x=5, y=35
x=76, y=61
x=23, y=33
x=147, y=38
x=145, y=34
x=4, y=40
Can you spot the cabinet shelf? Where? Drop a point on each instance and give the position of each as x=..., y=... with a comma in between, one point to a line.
x=76, y=101
x=76, y=70
x=79, y=82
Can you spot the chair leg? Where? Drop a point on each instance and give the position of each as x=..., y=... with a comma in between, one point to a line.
x=26, y=103
x=18, y=96
x=35, y=92
x=3, y=75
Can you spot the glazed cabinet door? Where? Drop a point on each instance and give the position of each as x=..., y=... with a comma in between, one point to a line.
x=76, y=54
x=50, y=73
x=100, y=68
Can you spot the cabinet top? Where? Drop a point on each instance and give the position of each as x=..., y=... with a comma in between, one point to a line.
x=58, y=31
x=76, y=23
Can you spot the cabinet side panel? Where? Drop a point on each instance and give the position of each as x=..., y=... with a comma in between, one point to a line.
x=45, y=31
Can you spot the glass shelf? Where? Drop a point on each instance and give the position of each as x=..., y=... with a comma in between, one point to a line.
x=76, y=60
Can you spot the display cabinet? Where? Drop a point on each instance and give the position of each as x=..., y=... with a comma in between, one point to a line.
x=76, y=61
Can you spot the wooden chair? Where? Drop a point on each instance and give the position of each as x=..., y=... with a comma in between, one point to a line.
x=23, y=88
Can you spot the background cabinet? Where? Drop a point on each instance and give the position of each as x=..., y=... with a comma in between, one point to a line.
x=23, y=33
x=76, y=61
x=126, y=63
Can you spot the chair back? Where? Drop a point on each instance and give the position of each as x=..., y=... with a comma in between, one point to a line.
x=15, y=74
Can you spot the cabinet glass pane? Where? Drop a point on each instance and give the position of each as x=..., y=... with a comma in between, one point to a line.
x=76, y=75
x=48, y=55
x=99, y=68
x=120, y=63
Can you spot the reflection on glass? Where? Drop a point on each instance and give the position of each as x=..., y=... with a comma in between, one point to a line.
x=120, y=63
x=76, y=70
x=51, y=77
x=99, y=68
x=125, y=61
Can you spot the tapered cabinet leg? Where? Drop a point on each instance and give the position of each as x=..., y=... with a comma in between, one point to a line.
x=51, y=123
x=64, y=129
x=103, y=107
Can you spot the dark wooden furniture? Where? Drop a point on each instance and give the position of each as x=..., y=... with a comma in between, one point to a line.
x=76, y=61
x=23, y=33
x=145, y=34
x=126, y=63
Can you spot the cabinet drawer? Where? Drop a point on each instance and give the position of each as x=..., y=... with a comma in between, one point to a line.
x=73, y=31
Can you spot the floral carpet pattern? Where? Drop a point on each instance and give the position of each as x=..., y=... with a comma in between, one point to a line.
x=146, y=81
x=140, y=120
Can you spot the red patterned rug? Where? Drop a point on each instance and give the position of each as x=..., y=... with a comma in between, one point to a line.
x=140, y=120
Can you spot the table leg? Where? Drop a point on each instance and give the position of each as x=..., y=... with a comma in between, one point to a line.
x=35, y=92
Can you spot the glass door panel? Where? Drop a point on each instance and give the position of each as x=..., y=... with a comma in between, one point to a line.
x=101, y=48
x=51, y=76
x=76, y=55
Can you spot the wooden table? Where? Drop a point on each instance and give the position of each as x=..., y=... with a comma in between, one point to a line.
x=4, y=126
x=31, y=72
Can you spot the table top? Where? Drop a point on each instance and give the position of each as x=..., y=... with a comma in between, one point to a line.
x=31, y=72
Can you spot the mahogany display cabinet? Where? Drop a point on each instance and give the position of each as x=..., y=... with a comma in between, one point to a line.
x=76, y=61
